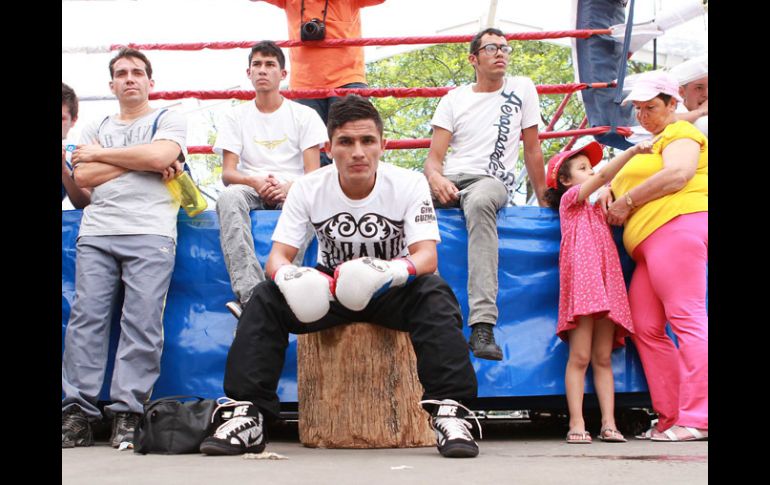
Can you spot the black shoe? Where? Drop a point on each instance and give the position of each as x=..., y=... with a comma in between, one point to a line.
x=482, y=342
x=123, y=428
x=235, y=308
x=453, y=438
x=242, y=432
x=75, y=428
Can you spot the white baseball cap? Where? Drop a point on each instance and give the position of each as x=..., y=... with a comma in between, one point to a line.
x=691, y=69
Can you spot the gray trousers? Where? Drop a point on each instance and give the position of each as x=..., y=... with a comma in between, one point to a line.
x=233, y=207
x=480, y=204
x=143, y=265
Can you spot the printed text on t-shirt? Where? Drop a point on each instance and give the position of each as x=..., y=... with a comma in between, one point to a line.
x=342, y=238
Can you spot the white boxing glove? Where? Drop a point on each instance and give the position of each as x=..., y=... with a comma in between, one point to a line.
x=360, y=280
x=306, y=290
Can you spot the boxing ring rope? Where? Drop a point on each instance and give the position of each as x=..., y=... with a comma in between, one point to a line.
x=363, y=41
x=567, y=89
x=426, y=92
x=425, y=142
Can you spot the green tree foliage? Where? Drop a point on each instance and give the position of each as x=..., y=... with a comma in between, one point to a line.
x=448, y=65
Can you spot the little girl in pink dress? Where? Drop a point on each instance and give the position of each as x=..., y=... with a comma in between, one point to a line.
x=594, y=316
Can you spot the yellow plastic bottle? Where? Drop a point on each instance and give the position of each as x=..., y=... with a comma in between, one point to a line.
x=184, y=191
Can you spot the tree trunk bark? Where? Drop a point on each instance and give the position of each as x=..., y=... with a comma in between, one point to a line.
x=358, y=388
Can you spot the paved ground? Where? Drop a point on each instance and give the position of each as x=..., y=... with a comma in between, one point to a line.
x=510, y=453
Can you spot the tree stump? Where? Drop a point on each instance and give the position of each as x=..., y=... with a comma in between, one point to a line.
x=358, y=388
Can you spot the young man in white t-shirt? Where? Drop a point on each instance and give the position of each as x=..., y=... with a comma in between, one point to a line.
x=377, y=257
x=483, y=123
x=266, y=144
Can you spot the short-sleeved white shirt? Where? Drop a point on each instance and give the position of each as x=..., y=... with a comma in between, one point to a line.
x=486, y=127
x=396, y=214
x=270, y=143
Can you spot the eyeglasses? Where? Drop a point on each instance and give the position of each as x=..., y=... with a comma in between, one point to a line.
x=492, y=49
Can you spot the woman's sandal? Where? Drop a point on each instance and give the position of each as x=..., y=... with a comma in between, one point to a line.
x=694, y=434
x=578, y=437
x=611, y=435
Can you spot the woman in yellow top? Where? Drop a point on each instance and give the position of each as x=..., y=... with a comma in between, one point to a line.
x=662, y=198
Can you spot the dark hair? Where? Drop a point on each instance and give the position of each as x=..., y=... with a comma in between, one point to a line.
x=665, y=97
x=553, y=196
x=352, y=108
x=128, y=52
x=268, y=48
x=476, y=41
x=69, y=98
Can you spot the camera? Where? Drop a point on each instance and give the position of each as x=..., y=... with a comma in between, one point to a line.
x=314, y=29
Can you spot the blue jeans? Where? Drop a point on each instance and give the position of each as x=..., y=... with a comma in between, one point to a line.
x=322, y=105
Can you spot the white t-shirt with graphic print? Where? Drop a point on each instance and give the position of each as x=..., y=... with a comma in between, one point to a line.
x=486, y=127
x=270, y=143
x=396, y=214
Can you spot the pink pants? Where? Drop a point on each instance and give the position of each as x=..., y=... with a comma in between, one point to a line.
x=669, y=284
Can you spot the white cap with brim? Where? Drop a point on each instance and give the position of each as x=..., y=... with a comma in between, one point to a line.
x=691, y=70
x=650, y=84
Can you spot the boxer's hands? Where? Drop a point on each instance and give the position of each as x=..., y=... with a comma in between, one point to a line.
x=360, y=280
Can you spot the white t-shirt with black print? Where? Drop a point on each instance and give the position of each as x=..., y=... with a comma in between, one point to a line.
x=270, y=143
x=396, y=214
x=486, y=128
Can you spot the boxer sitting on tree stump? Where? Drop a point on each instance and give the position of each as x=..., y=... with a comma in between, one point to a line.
x=377, y=256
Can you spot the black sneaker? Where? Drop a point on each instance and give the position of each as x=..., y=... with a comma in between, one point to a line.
x=242, y=432
x=453, y=438
x=75, y=428
x=123, y=426
x=235, y=308
x=482, y=342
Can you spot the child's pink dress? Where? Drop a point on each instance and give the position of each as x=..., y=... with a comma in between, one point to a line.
x=590, y=277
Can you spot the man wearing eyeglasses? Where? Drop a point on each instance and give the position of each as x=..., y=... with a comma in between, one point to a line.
x=483, y=123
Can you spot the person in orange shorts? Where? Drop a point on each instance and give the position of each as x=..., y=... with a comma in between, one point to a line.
x=324, y=67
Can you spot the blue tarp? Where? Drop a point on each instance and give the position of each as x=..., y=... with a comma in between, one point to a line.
x=198, y=329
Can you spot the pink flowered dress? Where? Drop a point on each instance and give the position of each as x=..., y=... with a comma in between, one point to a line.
x=590, y=278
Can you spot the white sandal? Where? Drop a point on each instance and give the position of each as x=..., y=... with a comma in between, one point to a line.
x=670, y=435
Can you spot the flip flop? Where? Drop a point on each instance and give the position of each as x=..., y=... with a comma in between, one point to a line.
x=611, y=435
x=579, y=438
x=670, y=434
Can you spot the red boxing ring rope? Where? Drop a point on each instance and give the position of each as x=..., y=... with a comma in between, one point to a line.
x=367, y=92
x=431, y=39
x=425, y=142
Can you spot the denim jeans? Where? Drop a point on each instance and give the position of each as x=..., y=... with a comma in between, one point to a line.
x=480, y=205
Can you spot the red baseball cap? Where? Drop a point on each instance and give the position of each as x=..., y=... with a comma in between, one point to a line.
x=594, y=151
